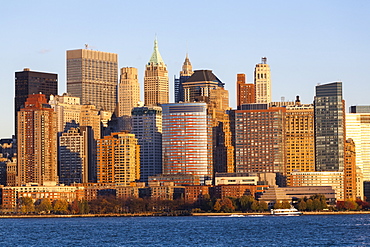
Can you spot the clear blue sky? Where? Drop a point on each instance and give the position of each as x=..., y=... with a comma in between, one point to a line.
x=305, y=42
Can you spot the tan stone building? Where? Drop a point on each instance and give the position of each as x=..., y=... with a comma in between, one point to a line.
x=156, y=80
x=128, y=91
x=37, y=142
x=350, y=170
x=262, y=82
x=118, y=159
x=92, y=76
x=300, y=139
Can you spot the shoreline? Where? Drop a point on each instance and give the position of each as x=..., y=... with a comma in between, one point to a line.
x=161, y=215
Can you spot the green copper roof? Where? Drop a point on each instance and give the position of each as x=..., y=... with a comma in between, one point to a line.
x=156, y=56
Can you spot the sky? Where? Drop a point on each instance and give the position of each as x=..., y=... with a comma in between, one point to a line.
x=305, y=42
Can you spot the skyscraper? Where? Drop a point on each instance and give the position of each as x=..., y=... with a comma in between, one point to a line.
x=262, y=82
x=329, y=127
x=260, y=141
x=76, y=155
x=118, y=159
x=358, y=129
x=37, y=142
x=92, y=76
x=128, y=91
x=199, y=85
x=147, y=127
x=187, y=140
x=300, y=139
x=156, y=80
x=31, y=82
x=246, y=92
x=185, y=73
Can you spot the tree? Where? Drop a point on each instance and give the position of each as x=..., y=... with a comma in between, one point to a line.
x=302, y=205
x=316, y=204
x=278, y=205
x=83, y=207
x=217, y=206
x=309, y=205
x=263, y=206
x=285, y=204
x=26, y=204
x=60, y=207
x=255, y=206
x=227, y=205
x=245, y=203
x=44, y=206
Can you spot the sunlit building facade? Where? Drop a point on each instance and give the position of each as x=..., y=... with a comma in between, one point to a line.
x=93, y=77
x=262, y=82
x=118, y=159
x=37, y=142
x=156, y=80
x=329, y=127
x=246, y=92
x=187, y=140
x=147, y=127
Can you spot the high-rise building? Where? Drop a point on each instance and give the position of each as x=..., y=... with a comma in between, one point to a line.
x=329, y=127
x=118, y=159
x=31, y=82
x=358, y=129
x=37, y=142
x=147, y=127
x=128, y=91
x=76, y=156
x=68, y=111
x=185, y=73
x=204, y=86
x=259, y=140
x=92, y=76
x=349, y=172
x=156, y=80
x=246, y=92
x=199, y=85
x=90, y=116
x=300, y=144
x=187, y=140
x=262, y=82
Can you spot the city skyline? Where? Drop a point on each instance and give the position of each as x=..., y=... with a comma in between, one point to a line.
x=305, y=43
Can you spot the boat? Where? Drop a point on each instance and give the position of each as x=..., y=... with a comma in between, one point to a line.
x=236, y=215
x=286, y=212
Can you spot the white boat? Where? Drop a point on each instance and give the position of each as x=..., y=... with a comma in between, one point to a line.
x=236, y=215
x=287, y=212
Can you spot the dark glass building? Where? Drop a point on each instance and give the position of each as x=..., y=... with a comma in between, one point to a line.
x=31, y=82
x=329, y=127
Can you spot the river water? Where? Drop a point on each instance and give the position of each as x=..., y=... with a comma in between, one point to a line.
x=306, y=230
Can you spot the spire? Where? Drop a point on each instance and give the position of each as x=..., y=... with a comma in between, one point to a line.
x=187, y=69
x=156, y=56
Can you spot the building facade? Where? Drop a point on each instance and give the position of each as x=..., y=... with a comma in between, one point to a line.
x=147, y=127
x=262, y=82
x=76, y=156
x=32, y=82
x=349, y=172
x=300, y=139
x=37, y=142
x=118, y=159
x=185, y=73
x=246, y=92
x=92, y=76
x=156, y=80
x=128, y=91
x=187, y=140
x=259, y=141
x=329, y=127
x=358, y=129
x=333, y=179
